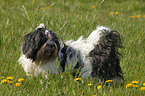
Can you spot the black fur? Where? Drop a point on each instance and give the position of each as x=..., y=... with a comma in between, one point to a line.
x=68, y=52
x=105, y=57
x=33, y=41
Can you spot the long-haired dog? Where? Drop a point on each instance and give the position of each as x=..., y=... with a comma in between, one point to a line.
x=96, y=56
x=39, y=49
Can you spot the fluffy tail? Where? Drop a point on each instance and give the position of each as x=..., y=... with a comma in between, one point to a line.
x=105, y=56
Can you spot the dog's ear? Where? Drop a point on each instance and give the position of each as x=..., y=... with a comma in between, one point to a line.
x=32, y=42
x=62, y=57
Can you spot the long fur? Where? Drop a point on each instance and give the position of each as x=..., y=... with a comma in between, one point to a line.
x=97, y=56
x=40, y=50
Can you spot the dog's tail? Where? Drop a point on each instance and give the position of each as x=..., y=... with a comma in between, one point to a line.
x=106, y=57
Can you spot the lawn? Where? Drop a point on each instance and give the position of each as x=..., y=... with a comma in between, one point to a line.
x=70, y=19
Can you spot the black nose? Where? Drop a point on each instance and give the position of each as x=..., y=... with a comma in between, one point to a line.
x=50, y=44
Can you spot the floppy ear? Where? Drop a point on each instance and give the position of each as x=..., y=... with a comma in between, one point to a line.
x=62, y=57
x=68, y=56
x=32, y=42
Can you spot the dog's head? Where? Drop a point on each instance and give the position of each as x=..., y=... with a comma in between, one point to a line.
x=41, y=45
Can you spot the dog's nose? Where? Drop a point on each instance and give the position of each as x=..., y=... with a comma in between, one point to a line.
x=50, y=44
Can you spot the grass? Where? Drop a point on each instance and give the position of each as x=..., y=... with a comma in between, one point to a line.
x=70, y=19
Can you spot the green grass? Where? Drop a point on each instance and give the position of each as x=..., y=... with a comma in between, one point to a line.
x=70, y=19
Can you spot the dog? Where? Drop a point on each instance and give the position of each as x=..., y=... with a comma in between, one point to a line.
x=40, y=50
x=95, y=57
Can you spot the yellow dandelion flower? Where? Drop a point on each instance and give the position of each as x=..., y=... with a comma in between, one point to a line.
x=20, y=80
x=109, y=81
x=32, y=1
x=42, y=8
x=116, y=13
x=135, y=86
x=93, y=6
x=134, y=82
x=111, y=13
x=2, y=77
x=77, y=79
x=9, y=78
x=131, y=16
x=90, y=84
x=17, y=84
x=3, y=81
x=94, y=95
x=144, y=16
x=129, y=85
x=99, y=86
x=10, y=82
x=138, y=16
x=48, y=7
x=143, y=84
x=142, y=88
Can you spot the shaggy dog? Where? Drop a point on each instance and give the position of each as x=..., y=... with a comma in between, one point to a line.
x=96, y=56
x=39, y=49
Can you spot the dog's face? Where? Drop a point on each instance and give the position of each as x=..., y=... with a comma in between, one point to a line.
x=41, y=45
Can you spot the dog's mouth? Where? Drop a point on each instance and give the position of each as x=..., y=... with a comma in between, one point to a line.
x=47, y=53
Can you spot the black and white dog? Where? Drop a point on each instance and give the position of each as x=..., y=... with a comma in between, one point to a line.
x=96, y=56
x=40, y=50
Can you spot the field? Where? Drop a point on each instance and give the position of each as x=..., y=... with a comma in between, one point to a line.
x=70, y=19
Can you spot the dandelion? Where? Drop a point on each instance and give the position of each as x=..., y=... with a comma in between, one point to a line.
x=144, y=16
x=94, y=95
x=10, y=82
x=1, y=77
x=131, y=16
x=90, y=84
x=20, y=80
x=135, y=82
x=129, y=85
x=77, y=79
x=135, y=16
x=44, y=7
x=116, y=13
x=142, y=88
x=93, y=6
x=135, y=86
x=143, y=84
x=3, y=81
x=138, y=16
x=99, y=86
x=32, y=1
x=108, y=81
x=9, y=78
x=17, y=84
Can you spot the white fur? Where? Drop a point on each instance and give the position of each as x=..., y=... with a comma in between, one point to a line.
x=84, y=46
x=31, y=68
x=41, y=26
